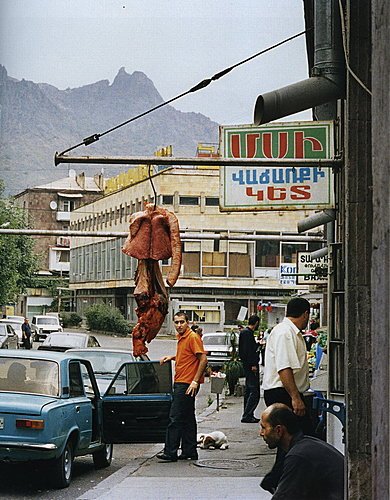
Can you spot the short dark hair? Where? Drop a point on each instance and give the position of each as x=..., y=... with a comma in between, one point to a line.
x=182, y=314
x=252, y=320
x=281, y=414
x=297, y=306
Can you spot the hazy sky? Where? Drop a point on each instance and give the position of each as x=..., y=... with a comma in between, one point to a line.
x=176, y=43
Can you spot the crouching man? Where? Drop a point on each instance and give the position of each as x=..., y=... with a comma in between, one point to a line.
x=312, y=469
x=191, y=361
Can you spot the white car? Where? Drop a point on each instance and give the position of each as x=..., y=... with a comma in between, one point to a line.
x=41, y=326
x=20, y=319
x=218, y=347
x=16, y=325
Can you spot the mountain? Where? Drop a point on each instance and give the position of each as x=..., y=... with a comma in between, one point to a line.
x=38, y=119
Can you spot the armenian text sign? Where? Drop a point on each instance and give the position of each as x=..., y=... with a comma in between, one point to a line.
x=294, y=187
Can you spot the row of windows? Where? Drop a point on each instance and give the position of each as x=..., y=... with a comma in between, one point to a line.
x=120, y=214
x=201, y=259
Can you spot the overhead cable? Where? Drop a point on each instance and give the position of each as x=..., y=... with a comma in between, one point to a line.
x=201, y=85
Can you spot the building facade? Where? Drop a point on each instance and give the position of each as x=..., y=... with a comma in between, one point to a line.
x=48, y=207
x=239, y=271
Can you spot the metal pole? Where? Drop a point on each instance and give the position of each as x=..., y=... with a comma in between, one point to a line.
x=183, y=236
x=168, y=160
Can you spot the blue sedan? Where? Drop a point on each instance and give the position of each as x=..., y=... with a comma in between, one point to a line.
x=51, y=409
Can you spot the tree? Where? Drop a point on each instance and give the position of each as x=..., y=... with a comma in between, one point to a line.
x=17, y=259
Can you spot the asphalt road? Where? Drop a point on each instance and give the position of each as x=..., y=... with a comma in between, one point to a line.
x=24, y=481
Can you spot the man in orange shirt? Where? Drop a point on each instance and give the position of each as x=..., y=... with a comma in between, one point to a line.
x=191, y=361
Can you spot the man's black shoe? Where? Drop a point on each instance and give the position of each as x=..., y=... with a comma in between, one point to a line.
x=187, y=457
x=166, y=458
x=252, y=420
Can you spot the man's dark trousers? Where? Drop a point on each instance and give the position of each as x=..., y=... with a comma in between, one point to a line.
x=252, y=392
x=182, y=423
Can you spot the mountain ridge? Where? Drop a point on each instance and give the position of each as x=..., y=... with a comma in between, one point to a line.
x=38, y=119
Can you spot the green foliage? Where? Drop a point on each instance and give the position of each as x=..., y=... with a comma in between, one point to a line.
x=233, y=368
x=71, y=319
x=17, y=259
x=105, y=318
x=51, y=283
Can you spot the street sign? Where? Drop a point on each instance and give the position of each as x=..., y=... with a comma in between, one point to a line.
x=287, y=269
x=311, y=271
x=287, y=187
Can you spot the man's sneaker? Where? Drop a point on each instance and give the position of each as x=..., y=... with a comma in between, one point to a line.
x=252, y=420
x=166, y=458
x=187, y=457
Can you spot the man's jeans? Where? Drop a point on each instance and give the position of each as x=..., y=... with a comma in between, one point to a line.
x=252, y=392
x=182, y=423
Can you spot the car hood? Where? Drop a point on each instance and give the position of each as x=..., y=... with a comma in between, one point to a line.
x=23, y=404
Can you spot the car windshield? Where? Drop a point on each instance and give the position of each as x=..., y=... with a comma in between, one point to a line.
x=64, y=340
x=47, y=321
x=216, y=339
x=29, y=376
x=106, y=362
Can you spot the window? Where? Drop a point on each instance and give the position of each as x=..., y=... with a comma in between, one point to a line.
x=267, y=253
x=289, y=252
x=75, y=381
x=212, y=202
x=68, y=205
x=189, y=200
x=167, y=199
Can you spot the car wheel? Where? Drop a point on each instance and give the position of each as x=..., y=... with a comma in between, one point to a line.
x=103, y=457
x=62, y=467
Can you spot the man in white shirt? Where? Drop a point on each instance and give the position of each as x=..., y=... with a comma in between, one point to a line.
x=286, y=372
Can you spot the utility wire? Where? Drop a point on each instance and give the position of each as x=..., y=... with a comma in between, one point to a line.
x=201, y=85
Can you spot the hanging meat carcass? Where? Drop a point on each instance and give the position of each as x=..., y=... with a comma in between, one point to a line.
x=154, y=235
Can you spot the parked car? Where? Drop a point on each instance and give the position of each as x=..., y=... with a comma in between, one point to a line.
x=16, y=325
x=61, y=342
x=51, y=409
x=218, y=347
x=106, y=362
x=41, y=326
x=56, y=315
x=20, y=319
x=8, y=337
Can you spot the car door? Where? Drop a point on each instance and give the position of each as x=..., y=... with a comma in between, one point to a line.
x=137, y=402
x=81, y=394
x=12, y=338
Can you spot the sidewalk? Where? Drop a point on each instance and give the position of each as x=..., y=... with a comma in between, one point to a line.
x=218, y=474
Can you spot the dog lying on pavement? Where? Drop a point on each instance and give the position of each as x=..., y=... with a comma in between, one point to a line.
x=213, y=440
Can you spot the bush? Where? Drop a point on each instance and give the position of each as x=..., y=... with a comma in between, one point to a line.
x=102, y=317
x=71, y=319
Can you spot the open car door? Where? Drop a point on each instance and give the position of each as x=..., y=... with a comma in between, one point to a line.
x=137, y=402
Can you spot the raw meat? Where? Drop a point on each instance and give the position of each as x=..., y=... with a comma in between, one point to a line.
x=154, y=235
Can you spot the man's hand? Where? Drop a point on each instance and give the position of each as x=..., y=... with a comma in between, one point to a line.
x=254, y=368
x=298, y=407
x=192, y=389
x=165, y=359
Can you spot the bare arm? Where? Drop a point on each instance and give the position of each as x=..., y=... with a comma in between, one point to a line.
x=287, y=377
x=165, y=359
x=193, y=387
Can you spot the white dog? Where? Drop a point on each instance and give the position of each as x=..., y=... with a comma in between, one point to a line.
x=213, y=440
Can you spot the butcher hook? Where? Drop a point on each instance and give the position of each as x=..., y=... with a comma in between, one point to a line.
x=154, y=189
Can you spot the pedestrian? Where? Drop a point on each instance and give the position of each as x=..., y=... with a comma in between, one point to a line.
x=286, y=373
x=191, y=361
x=312, y=469
x=26, y=334
x=248, y=350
